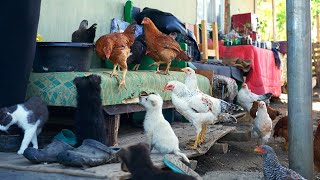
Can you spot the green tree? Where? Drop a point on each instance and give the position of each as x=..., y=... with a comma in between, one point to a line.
x=265, y=17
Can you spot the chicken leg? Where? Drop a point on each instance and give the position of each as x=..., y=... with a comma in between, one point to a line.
x=203, y=132
x=157, y=64
x=123, y=81
x=166, y=72
x=114, y=71
x=196, y=143
x=136, y=67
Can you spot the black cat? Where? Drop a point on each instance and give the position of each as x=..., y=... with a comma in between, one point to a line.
x=89, y=113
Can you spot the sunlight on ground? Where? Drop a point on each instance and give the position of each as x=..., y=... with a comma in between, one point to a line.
x=315, y=104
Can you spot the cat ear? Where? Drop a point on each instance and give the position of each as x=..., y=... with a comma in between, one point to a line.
x=96, y=79
x=145, y=145
x=76, y=81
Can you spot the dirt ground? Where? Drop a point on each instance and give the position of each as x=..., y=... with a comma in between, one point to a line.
x=240, y=156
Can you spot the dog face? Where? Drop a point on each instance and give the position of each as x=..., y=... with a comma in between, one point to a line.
x=152, y=101
x=133, y=155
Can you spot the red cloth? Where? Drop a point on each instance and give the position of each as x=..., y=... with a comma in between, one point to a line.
x=264, y=75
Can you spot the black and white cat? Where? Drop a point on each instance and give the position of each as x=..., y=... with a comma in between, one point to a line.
x=30, y=116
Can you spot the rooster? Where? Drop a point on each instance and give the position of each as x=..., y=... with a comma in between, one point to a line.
x=272, y=169
x=316, y=148
x=191, y=83
x=116, y=48
x=281, y=130
x=198, y=108
x=273, y=113
x=262, y=124
x=161, y=47
x=84, y=34
x=246, y=98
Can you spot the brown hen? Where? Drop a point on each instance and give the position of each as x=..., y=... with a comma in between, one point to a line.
x=161, y=47
x=116, y=48
x=316, y=148
x=281, y=130
x=273, y=113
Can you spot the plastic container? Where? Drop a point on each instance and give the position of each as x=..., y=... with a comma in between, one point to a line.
x=63, y=57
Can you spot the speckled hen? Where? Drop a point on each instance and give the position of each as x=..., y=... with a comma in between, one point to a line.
x=272, y=169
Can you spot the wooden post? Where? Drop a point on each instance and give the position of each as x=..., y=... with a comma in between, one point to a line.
x=204, y=38
x=112, y=127
x=226, y=16
x=318, y=27
x=215, y=40
x=274, y=21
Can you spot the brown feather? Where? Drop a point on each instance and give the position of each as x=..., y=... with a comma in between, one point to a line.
x=273, y=113
x=161, y=46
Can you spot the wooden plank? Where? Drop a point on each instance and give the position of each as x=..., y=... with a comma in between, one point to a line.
x=184, y=131
x=129, y=108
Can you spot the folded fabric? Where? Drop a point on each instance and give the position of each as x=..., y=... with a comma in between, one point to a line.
x=243, y=64
x=90, y=153
x=48, y=154
x=118, y=25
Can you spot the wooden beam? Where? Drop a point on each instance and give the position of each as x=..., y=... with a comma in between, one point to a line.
x=129, y=108
x=274, y=21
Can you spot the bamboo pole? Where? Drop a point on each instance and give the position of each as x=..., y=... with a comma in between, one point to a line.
x=273, y=21
x=318, y=27
x=226, y=16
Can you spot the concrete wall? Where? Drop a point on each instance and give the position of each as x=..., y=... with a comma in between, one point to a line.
x=59, y=18
x=241, y=6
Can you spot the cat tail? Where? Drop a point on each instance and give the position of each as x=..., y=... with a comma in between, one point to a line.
x=184, y=157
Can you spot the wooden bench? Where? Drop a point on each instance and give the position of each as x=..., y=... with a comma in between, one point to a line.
x=57, y=89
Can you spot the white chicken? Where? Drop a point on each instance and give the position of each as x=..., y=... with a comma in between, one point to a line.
x=198, y=108
x=246, y=98
x=262, y=124
x=192, y=85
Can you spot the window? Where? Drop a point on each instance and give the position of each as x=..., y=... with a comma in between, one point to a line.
x=211, y=11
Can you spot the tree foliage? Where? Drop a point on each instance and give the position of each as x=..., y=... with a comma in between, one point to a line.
x=265, y=18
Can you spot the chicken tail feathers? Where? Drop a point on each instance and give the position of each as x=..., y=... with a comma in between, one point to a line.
x=228, y=107
x=227, y=118
x=265, y=97
x=184, y=157
x=131, y=59
x=93, y=27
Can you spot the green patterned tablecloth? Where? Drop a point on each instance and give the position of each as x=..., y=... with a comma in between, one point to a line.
x=57, y=88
